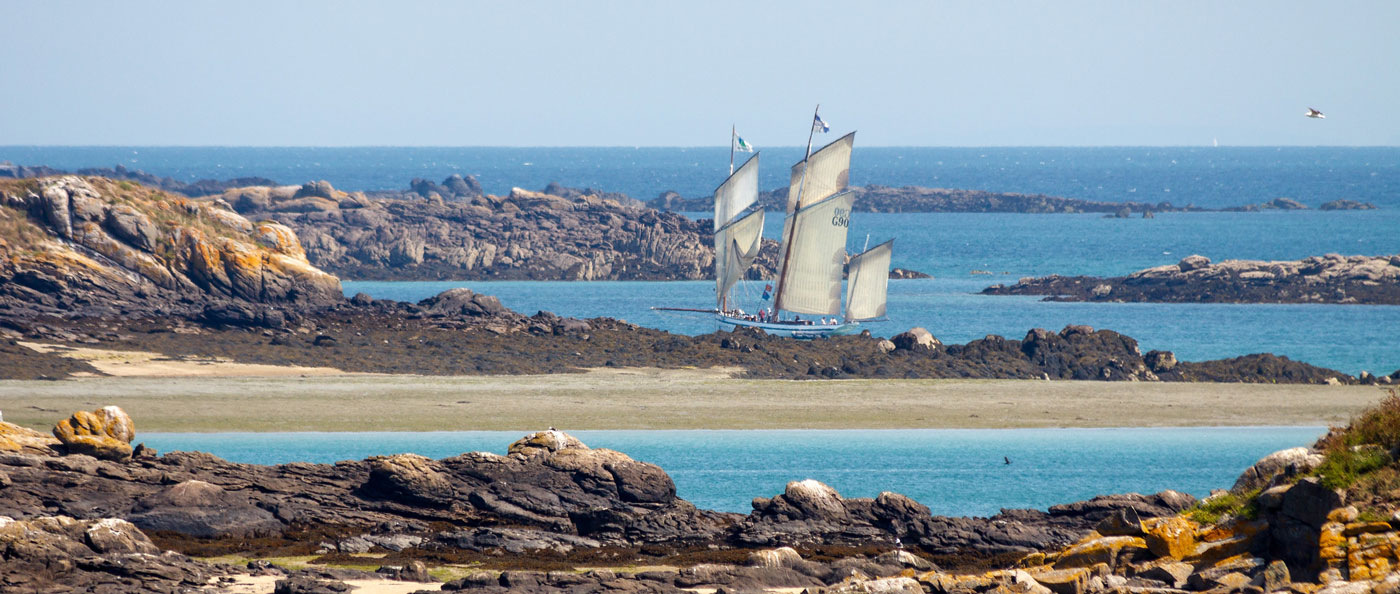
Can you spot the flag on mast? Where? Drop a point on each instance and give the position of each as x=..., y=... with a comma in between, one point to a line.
x=818, y=125
x=741, y=145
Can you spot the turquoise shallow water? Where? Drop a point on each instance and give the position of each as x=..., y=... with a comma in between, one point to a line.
x=954, y=472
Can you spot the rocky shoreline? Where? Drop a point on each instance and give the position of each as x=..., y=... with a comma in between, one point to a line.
x=553, y=515
x=117, y=265
x=1333, y=278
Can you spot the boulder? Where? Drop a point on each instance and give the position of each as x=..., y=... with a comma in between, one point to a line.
x=203, y=510
x=316, y=189
x=1193, y=262
x=105, y=433
x=410, y=477
x=544, y=442
x=1160, y=361
x=779, y=557
x=464, y=302
x=916, y=339
x=1122, y=522
x=1280, y=464
x=1173, y=537
x=814, y=499
x=115, y=535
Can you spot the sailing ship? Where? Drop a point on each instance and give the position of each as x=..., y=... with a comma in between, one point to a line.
x=813, y=249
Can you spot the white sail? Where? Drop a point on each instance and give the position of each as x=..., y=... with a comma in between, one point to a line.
x=736, y=193
x=736, y=245
x=866, y=283
x=811, y=278
x=828, y=172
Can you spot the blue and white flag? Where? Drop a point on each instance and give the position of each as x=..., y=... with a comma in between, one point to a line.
x=818, y=125
x=742, y=146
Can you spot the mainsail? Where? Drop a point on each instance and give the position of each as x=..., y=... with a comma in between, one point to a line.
x=737, y=193
x=866, y=283
x=811, y=280
x=827, y=172
x=736, y=245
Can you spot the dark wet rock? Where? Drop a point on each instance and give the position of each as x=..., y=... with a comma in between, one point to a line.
x=310, y=585
x=200, y=509
x=1319, y=279
x=1275, y=204
x=916, y=339
x=1344, y=204
x=463, y=302
x=61, y=554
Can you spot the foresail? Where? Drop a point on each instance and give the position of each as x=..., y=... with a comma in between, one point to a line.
x=866, y=283
x=811, y=279
x=828, y=172
x=736, y=246
x=737, y=192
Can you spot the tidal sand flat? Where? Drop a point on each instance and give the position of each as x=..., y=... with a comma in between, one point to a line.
x=671, y=399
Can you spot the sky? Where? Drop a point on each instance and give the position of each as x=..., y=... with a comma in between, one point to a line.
x=680, y=73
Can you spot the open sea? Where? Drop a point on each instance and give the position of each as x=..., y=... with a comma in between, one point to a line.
x=953, y=472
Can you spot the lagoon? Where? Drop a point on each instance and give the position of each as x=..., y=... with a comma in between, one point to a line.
x=956, y=472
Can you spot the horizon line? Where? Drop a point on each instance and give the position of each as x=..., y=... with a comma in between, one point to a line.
x=638, y=147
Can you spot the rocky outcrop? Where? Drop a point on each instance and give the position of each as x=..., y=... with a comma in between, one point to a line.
x=570, y=496
x=453, y=231
x=1344, y=204
x=63, y=554
x=921, y=199
x=14, y=438
x=105, y=433
x=1275, y=204
x=809, y=512
x=1331, y=278
x=463, y=333
x=203, y=187
x=75, y=247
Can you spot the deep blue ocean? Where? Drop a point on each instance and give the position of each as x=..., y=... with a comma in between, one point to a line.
x=954, y=472
x=948, y=246
x=1206, y=176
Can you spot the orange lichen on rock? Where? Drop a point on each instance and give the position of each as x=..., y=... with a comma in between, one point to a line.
x=105, y=433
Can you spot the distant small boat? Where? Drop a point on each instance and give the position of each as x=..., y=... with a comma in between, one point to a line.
x=1215, y=142
x=1313, y=113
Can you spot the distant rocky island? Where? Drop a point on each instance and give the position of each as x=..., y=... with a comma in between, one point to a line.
x=920, y=199
x=1333, y=278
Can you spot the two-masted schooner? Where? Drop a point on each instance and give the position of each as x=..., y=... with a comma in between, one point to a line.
x=812, y=253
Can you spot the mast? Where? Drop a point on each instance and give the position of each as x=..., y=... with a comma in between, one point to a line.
x=787, y=241
x=733, y=133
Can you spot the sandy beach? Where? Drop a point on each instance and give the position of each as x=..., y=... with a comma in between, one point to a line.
x=665, y=399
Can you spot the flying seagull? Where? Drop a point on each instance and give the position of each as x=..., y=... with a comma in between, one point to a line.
x=1008, y=460
x=1313, y=113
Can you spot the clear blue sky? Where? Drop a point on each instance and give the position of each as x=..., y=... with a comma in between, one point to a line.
x=663, y=73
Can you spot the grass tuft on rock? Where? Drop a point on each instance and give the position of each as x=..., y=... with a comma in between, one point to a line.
x=1360, y=458
x=1224, y=506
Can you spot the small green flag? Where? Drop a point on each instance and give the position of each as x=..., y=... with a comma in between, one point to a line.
x=742, y=146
